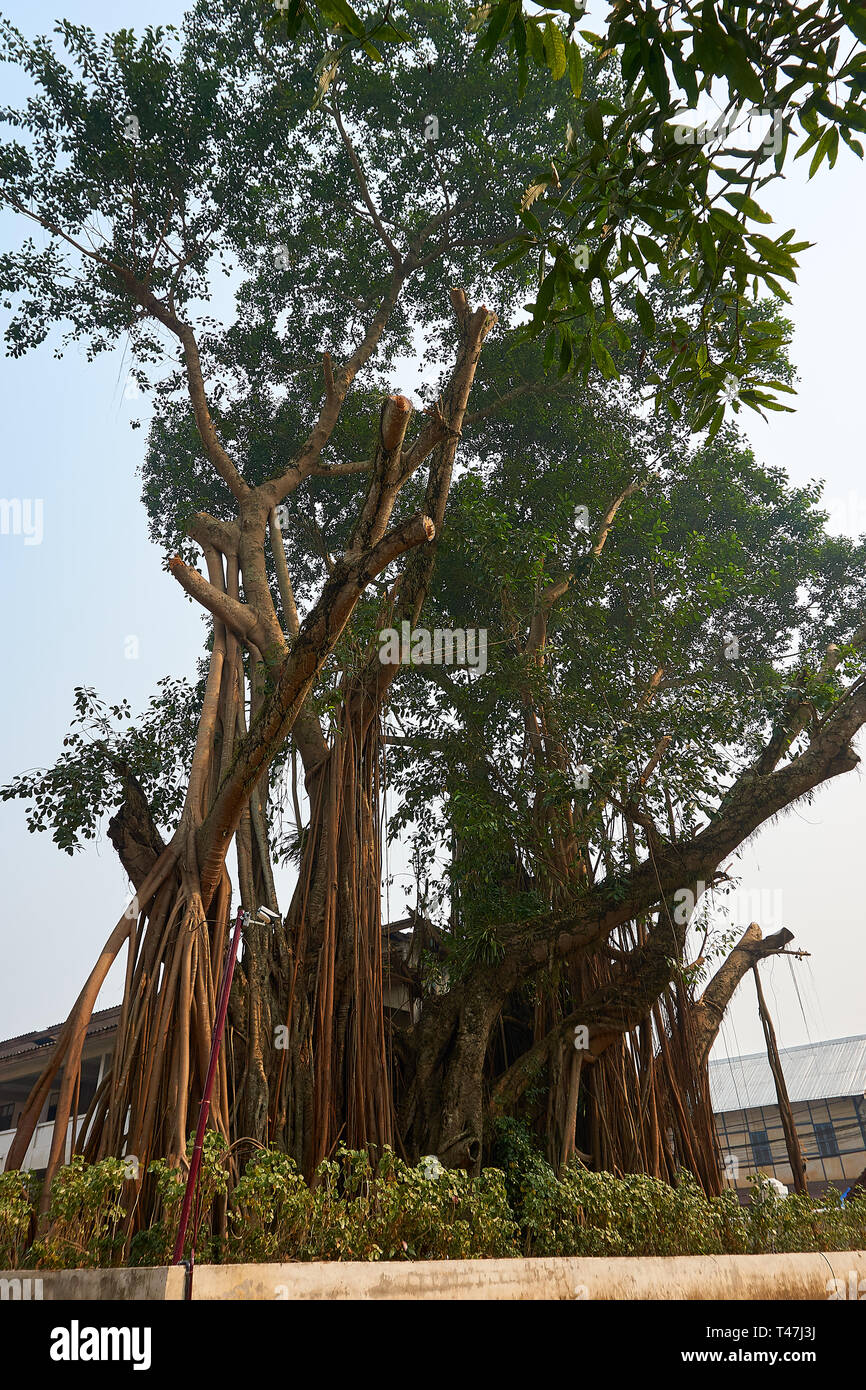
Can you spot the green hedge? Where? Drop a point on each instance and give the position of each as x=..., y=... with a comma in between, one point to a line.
x=394, y=1211
x=584, y=1213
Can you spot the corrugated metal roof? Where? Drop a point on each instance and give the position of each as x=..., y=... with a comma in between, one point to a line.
x=102, y=1021
x=815, y=1071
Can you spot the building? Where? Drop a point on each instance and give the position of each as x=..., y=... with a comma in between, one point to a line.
x=826, y=1084
x=22, y=1059
x=21, y=1062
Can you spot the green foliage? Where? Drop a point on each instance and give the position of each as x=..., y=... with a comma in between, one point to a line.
x=637, y=200
x=103, y=750
x=390, y=1210
x=234, y=160
x=586, y=1213
x=573, y=139
x=599, y=1214
x=712, y=543
x=154, y=1246
x=801, y=1222
x=18, y=1194
x=272, y=1209
x=85, y=1218
x=358, y=1211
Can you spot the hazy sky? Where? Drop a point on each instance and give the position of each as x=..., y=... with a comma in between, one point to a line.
x=72, y=603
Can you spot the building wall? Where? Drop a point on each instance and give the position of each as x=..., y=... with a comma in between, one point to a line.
x=18, y=1075
x=832, y=1136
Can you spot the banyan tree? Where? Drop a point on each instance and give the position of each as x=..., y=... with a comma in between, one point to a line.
x=572, y=807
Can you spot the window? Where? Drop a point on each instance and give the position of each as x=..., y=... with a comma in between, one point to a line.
x=6, y=1112
x=87, y=1085
x=828, y=1144
x=761, y=1146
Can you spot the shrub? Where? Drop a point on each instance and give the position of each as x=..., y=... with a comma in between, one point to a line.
x=798, y=1222
x=551, y=1221
x=356, y=1210
x=155, y=1245
x=85, y=1217
x=585, y=1213
x=18, y=1193
x=271, y=1210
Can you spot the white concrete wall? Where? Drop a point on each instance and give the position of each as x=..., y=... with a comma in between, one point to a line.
x=40, y=1144
x=687, y=1277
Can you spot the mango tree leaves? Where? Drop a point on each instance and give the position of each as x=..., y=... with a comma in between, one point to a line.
x=650, y=192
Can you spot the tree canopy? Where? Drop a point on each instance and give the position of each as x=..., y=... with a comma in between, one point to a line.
x=674, y=643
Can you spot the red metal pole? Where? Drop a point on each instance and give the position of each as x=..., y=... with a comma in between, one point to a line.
x=204, y=1111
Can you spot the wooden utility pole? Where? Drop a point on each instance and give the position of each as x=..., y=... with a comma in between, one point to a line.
x=792, y=1141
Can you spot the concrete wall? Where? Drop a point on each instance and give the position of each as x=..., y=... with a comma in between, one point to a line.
x=690, y=1277
x=93, y=1285
x=40, y=1145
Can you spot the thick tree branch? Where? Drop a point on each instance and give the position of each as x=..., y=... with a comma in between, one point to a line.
x=336, y=388
x=554, y=592
x=316, y=639
x=436, y=429
x=340, y=470
x=385, y=479
x=754, y=799
x=216, y=454
x=224, y=536
x=236, y=615
x=133, y=831
x=610, y=516
x=798, y=713
x=709, y=1010
x=284, y=580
